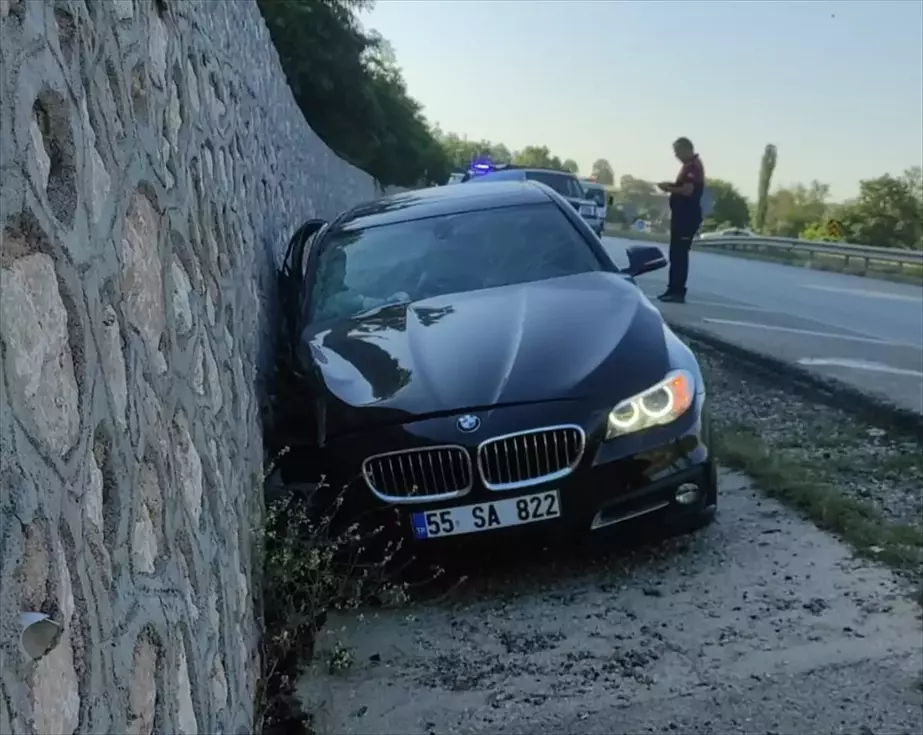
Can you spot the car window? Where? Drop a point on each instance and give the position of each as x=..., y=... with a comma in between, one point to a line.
x=491, y=176
x=360, y=270
x=566, y=186
x=596, y=195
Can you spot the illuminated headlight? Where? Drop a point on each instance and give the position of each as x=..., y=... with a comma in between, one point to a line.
x=658, y=405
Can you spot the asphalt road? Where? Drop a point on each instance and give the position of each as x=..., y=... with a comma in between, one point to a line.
x=761, y=623
x=865, y=332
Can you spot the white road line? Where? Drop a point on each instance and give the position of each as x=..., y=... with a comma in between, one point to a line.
x=866, y=292
x=848, y=362
x=726, y=305
x=807, y=332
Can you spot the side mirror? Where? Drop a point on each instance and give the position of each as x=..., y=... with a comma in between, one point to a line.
x=644, y=259
x=610, y=200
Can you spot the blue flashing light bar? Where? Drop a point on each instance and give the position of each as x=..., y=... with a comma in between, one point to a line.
x=480, y=167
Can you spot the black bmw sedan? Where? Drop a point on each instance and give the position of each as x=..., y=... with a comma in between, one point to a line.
x=472, y=358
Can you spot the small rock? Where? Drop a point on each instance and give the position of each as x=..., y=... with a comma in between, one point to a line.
x=652, y=592
x=815, y=605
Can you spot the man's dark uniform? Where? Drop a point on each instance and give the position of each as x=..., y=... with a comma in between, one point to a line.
x=685, y=221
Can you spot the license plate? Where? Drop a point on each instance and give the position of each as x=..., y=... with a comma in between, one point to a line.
x=486, y=516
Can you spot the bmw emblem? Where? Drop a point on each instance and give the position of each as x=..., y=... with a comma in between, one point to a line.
x=468, y=423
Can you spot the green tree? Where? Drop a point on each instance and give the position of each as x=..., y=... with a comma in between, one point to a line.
x=534, y=155
x=499, y=153
x=887, y=212
x=570, y=165
x=351, y=91
x=818, y=232
x=791, y=210
x=602, y=172
x=767, y=168
x=729, y=208
x=631, y=187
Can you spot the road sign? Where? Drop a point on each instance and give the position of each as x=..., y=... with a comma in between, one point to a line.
x=834, y=228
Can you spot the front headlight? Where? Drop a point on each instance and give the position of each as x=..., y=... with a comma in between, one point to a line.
x=658, y=405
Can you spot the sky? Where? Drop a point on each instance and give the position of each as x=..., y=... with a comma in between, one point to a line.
x=837, y=86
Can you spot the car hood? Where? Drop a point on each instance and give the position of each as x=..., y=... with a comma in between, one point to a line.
x=592, y=336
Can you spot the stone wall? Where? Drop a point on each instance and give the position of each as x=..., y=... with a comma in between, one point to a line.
x=153, y=165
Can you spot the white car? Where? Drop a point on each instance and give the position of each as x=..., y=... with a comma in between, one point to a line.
x=729, y=232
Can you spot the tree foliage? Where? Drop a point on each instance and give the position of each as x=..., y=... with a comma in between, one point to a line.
x=729, y=208
x=460, y=152
x=888, y=211
x=767, y=168
x=538, y=156
x=819, y=232
x=791, y=210
x=351, y=90
x=602, y=172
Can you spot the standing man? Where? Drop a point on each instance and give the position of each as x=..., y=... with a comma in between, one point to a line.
x=685, y=217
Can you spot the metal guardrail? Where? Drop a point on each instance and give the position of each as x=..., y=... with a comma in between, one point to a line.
x=865, y=253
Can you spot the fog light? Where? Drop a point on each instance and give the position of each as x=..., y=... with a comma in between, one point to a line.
x=687, y=493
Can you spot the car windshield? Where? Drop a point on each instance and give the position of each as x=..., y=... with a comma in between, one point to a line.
x=564, y=184
x=359, y=270
x=596, y=195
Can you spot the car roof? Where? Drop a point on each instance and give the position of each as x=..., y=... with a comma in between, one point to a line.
x=440, y=200
x=527, y=169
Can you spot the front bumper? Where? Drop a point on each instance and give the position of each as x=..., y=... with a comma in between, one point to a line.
x=658, y=476
x=595, y=224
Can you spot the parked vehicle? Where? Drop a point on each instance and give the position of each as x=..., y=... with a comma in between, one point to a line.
x=471, y=358
x=729, y=232
x=601, y=198
x=563, y=182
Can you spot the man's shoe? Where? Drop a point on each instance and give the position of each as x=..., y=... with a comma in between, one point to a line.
x=672, y=298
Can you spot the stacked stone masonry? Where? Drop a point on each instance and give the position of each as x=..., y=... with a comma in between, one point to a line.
x=153, y=165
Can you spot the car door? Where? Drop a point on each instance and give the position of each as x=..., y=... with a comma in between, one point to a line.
x=291, y=276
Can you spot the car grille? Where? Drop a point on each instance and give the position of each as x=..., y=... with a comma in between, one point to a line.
x=575, y=205
x=530, y=457
x=416, y=475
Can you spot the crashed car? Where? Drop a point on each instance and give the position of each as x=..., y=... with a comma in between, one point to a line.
x=471, y=359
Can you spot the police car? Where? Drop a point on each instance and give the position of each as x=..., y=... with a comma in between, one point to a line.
x=563, y=182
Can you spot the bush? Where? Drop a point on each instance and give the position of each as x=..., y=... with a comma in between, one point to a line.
x=313, y=563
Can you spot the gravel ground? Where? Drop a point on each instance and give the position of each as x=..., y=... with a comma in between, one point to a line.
x=761, y=623
x=861, y=460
